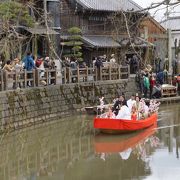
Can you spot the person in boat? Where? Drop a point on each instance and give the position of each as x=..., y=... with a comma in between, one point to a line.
x=110, y=114
x=131, y=101
x=134, y=113
x=118, y=104
x=124, y=112
x=137, y=101
x=143, y=110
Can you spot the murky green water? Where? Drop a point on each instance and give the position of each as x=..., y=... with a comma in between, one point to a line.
x=71, y=150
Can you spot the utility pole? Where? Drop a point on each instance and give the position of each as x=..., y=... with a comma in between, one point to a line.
x=170, y=51
x=169, y=37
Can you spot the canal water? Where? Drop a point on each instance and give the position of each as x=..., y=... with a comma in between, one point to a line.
x=72, y=150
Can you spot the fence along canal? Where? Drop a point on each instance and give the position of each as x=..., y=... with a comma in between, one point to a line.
x=23, y=79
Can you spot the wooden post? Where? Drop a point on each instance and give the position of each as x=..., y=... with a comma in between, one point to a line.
x=34, y=80
x=37, y=77
x=5, y=80
x=96, y=73
x=87, y=73
x=65, y=75
x=55, y=80
x=110, y=74
x=16, y=80
x=47, y=76
x=2, y=81
x=78, y=77
x=69, y=74
x=119, y=71
x=128, y=71
x=100, y=73
x=25, y=78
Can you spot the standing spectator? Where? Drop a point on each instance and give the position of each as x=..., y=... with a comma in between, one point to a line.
x=41, y=68
x=73, y=66
x=17, y=67
x=38, y=62
x=160, y=77
x=67, y=64
x=47, y=63
x=152, y=81
x=165, y=76
x=7, y=69
x=104, y=58
x=94, y=61
x=178, y=84
x=158, y=65
x=135, y=63
x=140, y=81
x=8, y=66
x=98, y=65
x=174, y=65
x=146, y=85
x=29, y=65
x=29, y=62
x=50, y=64
x=112, y=60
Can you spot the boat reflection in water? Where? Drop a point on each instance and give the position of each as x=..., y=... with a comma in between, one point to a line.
x=125, y=145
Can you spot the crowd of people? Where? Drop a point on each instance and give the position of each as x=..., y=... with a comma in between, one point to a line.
x=28, y=63
x=150, y=83
x=133, y=109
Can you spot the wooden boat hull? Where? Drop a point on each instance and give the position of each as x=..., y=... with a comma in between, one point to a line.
x=91, y=110
x=107, y=125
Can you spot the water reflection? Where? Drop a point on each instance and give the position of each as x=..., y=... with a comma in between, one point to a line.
x=133, y=150
x=70, y=149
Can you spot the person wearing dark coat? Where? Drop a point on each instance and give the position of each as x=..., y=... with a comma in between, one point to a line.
x=117, y=105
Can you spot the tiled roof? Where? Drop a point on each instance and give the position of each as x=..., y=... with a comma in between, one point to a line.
x=41, y=31
x=109, y=5
x=137, y=42
x=109, y=42
x=100, y=41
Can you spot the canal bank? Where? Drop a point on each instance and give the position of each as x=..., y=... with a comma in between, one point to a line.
x=26, y=107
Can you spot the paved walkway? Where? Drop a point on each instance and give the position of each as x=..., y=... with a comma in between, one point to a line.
x=169, y=99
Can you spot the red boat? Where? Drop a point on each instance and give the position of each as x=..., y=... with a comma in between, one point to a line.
x=104, y=144
x=108, y=125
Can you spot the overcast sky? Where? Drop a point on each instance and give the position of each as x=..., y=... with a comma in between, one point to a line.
x=160, y=14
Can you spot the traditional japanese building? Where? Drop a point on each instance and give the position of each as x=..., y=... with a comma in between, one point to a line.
x=44, y=36
x=153, y=32
x=107, y=27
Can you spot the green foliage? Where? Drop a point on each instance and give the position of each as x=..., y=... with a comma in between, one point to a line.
x=14, y=13
x=75, y=43
x=74, y=30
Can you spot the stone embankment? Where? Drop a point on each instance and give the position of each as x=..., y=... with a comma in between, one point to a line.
x=25, y=107
x=31, y=106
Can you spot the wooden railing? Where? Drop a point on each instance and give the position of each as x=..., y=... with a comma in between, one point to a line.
x=93, y=74
x=37, y=78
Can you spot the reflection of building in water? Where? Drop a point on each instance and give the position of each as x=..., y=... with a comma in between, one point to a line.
x=169, y=127
x=39, y=152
